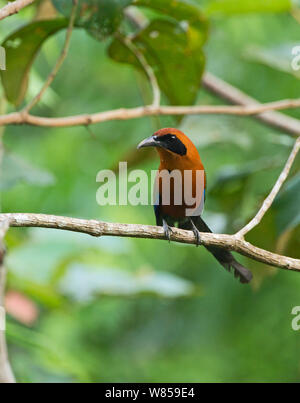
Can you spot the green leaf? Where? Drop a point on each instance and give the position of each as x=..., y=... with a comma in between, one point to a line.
x=178, y=68
x=101, y=18
x=15, y=170
x=229, y=7
x=184, y=12
x=85, y=282
x=286, y=206
x=21, y=49
x=65, y=6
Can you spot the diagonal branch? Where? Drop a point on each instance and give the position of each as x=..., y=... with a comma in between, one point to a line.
x=6, y=374
x=235, y=96
x=13, y=7
x=58, y=64
x=141, y=111
x=228, y=92
x=269, y=200
x=100, y=228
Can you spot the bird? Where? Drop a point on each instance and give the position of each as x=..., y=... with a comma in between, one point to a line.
x=177, y=153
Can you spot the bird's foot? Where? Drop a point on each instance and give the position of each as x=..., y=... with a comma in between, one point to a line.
x=196, y=233
x=167, y=230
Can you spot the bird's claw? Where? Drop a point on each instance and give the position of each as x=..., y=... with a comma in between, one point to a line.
x=196, y=233
x=167, y=230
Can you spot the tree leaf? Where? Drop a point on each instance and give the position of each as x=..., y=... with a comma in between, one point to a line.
x=101, y=18
x=189, y=15
x=15, y=170
x=65, y=6
x=21, y=49
x=178, y=68
x=85, y=282
x=286, y=206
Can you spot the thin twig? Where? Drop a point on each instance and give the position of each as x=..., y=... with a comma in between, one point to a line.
x=141, y=111
x=136, y=17
x=100, y=228
x=6, y=374
x=139, y=20
x=269, y=200
x=3, y=106
x=58, y=64
x=13, y=7
x=148, y=69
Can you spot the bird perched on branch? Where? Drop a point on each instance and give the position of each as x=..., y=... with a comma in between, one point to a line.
x=178, y=158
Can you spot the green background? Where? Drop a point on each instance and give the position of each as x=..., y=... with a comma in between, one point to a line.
x=128, y=310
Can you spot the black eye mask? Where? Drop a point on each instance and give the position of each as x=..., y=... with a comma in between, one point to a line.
x=172, y=143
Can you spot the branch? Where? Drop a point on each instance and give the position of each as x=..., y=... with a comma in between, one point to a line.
x=6, y=374
x=141, y=111
x=148, y=69
x=269, y=200
x=264, y=113
x=228, y=92
x=59, y=62
x=13, y=8
x=100, y=228
x=235, y=96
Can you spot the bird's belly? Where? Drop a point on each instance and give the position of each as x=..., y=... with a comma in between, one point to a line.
x=174, y=211
x=182, y=198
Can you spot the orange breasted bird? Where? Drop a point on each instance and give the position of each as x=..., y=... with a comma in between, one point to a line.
x=178, y=153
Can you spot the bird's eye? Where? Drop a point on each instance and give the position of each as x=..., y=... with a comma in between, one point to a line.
x=166, y=138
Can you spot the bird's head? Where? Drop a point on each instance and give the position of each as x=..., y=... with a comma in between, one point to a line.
x=172, y=144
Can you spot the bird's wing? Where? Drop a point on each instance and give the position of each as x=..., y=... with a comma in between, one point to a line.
x=157, y=209
x=158, y=215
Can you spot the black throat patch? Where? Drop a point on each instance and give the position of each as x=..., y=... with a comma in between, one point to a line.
x=172, y=143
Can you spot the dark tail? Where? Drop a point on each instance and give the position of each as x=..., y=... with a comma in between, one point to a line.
x=225, y=257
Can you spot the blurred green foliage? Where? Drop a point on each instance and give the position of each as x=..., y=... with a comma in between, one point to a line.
x=101, y=18
x=21, y=48
x=116, y=309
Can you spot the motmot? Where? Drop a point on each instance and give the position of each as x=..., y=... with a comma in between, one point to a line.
x=178, y=153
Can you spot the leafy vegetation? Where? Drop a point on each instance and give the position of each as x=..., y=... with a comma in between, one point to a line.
x=143, y=310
